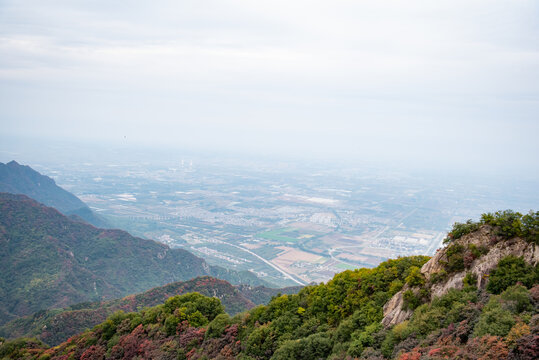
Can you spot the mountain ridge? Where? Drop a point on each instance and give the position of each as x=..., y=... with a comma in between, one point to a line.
x=22, y=179
x=51, y=261
x=57, y=325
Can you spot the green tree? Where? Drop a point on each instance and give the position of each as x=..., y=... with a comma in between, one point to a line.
x=171, y=323
x=510, y=270
x=494, y=320
x=217, y=326
x=415, y=278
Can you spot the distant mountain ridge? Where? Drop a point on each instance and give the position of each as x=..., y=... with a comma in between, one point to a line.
x=22, y=179
x=48, y=260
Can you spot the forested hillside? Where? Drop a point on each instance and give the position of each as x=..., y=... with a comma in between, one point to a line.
x=50, y=261
x=493, y=319
x=57, y=325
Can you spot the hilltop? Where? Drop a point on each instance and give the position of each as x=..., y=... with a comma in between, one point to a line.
x=48, y=260
x=493, y=318
x=21, y=179
x=57, y=325
x=474, y=250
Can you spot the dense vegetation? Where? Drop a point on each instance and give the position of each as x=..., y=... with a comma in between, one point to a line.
x=337, y=320
x=50, y=261
x=508, y=224
x=322, y=318
x=57, y=325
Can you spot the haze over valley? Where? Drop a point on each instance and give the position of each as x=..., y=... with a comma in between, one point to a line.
x=290, y=222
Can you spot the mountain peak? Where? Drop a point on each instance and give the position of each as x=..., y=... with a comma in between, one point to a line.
x=474, y=250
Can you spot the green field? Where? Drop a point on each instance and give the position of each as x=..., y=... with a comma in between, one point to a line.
x=277, y=235
x=267, y=251
x=345, y=267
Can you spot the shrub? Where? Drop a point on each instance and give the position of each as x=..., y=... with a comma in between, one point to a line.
x=344, y=330
x=217, y=327
x=494, y=320
x=455, y=258
x=261, y=342
x=196, y=319
x=396, y=335
x=470, y=279
x=363, y=339
x=527, y=348
x=477, y=251
x=415, y=278
x=487, y=347
x=519, y=330
x=510, y=224
x=438, y=276
x=516, y=299
x=171, y=323
x=507, y=222
x=355, y=349
x=317, y=346
x=461, y=229
x=530, y=224
x=16, y=348
x=411, y=300
x=510, y=270
x=453, y=307
x=395, y=286
x=388, y=345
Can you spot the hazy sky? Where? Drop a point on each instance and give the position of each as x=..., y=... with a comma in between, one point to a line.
x=419, y=82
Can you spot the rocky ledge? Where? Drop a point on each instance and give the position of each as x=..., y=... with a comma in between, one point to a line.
x=484, y=238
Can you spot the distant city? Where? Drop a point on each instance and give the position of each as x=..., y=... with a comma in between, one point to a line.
x=288, y=223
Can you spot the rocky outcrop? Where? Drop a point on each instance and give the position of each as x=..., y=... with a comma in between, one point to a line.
x=394, y=312
x=480, y=267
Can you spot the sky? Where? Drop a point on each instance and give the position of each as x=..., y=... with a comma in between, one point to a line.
x=417, y=83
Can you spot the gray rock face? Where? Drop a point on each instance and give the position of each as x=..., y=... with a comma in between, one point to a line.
x=393, y=311
x=481, y=268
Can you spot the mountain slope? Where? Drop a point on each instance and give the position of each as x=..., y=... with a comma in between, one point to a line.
x=342, y=319
x=20, y=179
x=50, y=261
x=57, y=325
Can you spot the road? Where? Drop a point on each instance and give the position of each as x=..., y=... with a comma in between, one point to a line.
x=287, y=275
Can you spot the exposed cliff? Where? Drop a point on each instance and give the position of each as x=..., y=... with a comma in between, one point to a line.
x=481, y=252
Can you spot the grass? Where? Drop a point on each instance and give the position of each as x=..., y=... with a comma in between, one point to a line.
x=276, y=235
x=345, y=266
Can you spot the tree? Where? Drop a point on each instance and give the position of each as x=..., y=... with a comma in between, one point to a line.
x=510, y=270
x=494, y=320
x=415, y=278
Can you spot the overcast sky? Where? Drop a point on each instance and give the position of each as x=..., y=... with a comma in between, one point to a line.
x=418, y=82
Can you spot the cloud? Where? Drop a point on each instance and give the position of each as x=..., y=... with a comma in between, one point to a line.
x=351, y=78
